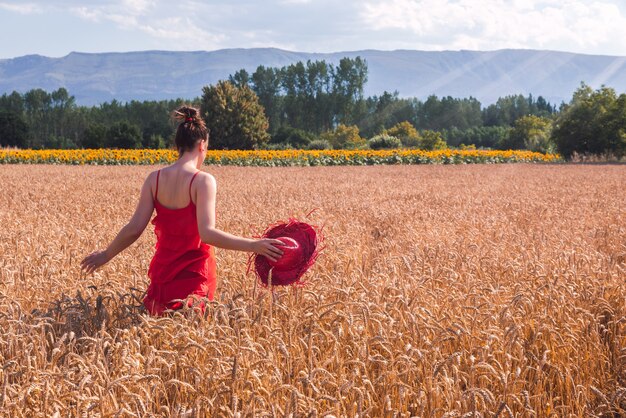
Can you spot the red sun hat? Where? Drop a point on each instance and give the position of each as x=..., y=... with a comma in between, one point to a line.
x=300, y=250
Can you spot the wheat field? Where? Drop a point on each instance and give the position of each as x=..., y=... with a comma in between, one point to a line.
x=442, y=291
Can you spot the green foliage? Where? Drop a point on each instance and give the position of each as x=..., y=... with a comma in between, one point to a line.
x=344, y=137
x=508, y=109
x=95, y=136
x=349, y=78
x=594, y=122
x=407, y=134
x=448, y=112
x=480, y=136
x=531, y=133
x=154, y=141
x=58, y=142
x=13, y=130
x=432, y=140
x=295, y=137
x=266, y=83
x=124, y=135
x=276, y=146
x=384, y=141
x=240, y=79
x=54, y=119
x=386, y=111
x=319, y=144
x=303, y=99
x=311, y=96
x=234, y=116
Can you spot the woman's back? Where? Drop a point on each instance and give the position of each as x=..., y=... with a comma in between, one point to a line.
x=174, y=187
x=175, y=224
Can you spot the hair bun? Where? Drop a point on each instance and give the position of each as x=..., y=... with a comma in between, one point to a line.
x=191, y=128
x=186, y=114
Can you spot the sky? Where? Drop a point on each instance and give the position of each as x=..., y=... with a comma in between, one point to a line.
x=56, y=28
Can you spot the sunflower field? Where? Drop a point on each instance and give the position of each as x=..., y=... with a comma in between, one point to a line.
x=272, y=158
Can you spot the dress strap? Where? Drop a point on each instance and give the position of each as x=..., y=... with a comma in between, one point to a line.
x=190, y=183
x=156, y=192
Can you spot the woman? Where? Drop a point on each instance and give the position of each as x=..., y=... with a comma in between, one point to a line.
x=184, y=198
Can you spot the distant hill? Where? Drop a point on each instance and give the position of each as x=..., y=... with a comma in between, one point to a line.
x=154, y=75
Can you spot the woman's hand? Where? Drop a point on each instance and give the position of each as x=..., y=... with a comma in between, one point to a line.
x=93, y=261
x=267, y=248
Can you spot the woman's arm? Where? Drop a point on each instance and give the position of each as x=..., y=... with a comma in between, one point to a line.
x=128, y=234
x=205, y=211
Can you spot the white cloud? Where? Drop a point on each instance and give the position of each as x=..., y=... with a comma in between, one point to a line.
x=137, y=6
x=21, y=8
x=146, y=16
x=181, y=29
x=87, y=13
x=589, y=26
x=494, y=24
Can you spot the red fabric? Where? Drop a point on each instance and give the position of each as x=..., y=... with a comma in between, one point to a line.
x=300, y=252
x=182, y=265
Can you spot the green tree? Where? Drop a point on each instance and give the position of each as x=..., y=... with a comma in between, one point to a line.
x=266, y=83
x=508, y=109
x=479, y=136
x=95, y=136
x=531, y=133
x=449, y=112
x=344, y=137
x=406, y=132
x=61, y=107
x=13, y=130
x=313, y=96
x=13, y=102
x=37, y=105
x=123, y=135
x=386, y=111
x=291, y=136
x=349, y=79
x=240, y=78
x=432, y=140
x=614, y=134
x=234, y=116
x=594, y=122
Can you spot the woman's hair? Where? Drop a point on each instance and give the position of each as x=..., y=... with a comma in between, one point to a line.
x=191, y=128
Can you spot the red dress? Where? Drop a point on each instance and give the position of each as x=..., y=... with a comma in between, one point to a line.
x=182, y=265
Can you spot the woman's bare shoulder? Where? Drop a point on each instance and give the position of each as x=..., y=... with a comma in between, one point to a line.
x=206, y=178
x=151, y=177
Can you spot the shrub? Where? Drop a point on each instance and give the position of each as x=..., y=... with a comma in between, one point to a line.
x=319, y=144
x=154, y=141
x=406, y=132
x=480, y=136
x=344, y=137
x=432, y=140
x=384, y=141
x=295, y=137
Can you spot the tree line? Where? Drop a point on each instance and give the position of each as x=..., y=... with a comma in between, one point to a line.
x=318, y=105
x=39, y=119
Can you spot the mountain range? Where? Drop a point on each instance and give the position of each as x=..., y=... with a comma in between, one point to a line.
x=93, y=78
